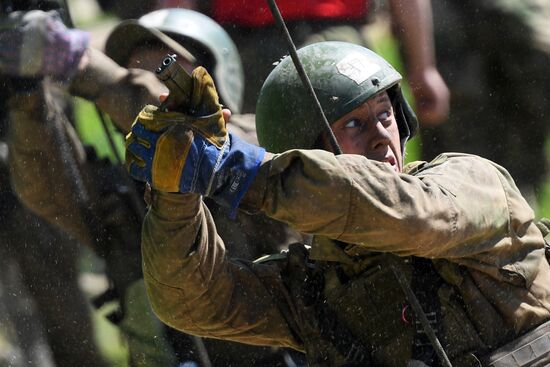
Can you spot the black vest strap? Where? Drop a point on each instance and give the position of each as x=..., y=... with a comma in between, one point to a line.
x=307, y=287
x=425, y=284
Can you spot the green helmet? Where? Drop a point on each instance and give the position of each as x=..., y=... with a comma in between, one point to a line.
x=182, y=30
x=343, y=76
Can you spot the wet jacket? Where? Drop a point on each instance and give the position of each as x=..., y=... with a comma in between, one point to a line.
x=461, y=211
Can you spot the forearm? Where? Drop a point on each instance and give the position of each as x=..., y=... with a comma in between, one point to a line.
x=359, y=201
x=39, y=170
x=117, y=91
x=412, y=25
x=195, y=287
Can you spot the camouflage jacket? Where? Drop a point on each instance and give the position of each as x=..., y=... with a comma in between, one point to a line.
x=461, y=210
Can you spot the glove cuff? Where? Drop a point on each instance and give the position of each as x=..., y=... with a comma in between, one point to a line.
x=236, y=173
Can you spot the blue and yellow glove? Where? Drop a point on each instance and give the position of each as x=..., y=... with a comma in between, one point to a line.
x=192, y=153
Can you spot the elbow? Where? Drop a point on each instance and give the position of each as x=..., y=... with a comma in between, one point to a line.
x=32, y=199
x=166, y=304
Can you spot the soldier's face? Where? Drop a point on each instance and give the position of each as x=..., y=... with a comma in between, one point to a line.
x=371, y=131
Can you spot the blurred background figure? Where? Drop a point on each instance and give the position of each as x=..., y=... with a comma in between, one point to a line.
x=494, y=55
x=260, y=44
x=45, y=317
x=68, y=186
x=198, y=40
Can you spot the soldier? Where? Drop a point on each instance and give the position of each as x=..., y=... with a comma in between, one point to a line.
x=198, y=40
x=54, y=317
x=35, y=153
x=53, y=175
x=454, y=232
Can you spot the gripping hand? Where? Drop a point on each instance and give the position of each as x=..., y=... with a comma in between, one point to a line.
x=192, y=152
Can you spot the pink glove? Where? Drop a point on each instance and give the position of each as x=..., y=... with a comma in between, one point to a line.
x=37, y=43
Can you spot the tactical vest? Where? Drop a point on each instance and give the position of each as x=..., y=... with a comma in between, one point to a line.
x=356, y=314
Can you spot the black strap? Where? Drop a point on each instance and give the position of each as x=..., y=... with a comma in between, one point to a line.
x=307, y=287
x=425, y=284
x=338, y=334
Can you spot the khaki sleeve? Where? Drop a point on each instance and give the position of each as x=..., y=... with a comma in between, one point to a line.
x=195, y=287
x=41, y=142
x=459, y=207
x=117, y=91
